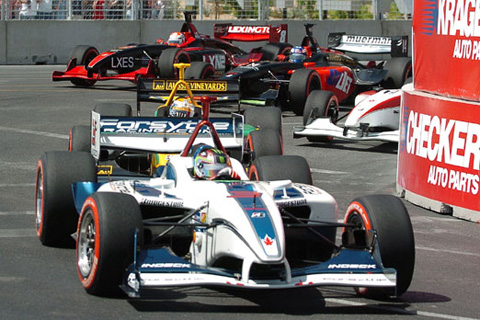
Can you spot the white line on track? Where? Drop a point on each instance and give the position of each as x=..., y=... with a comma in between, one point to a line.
x=38, y=133
x=327, y=171
x=17, y=233
x=16, y=213
x=13, y=185
x=398, y=310
x=448, y=251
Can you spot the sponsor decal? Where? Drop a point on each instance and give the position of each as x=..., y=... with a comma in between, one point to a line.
x=160, y=126
x=258, y=215
x=164, y=265
x=122, y=62
x=164, y=85
x=218, y=62
x=449, y=142
x=104, y=169
x=352, y=266
x=268, y=241
x=307, y=189
x=459, y=19
x=341, y=80
x=162, y=202
x=291, y=203
x=201, y=216
x=249, y=29
x=366, y=40
x=120, y=186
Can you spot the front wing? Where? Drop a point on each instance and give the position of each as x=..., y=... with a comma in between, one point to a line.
x=160, y=268
x=323, y=127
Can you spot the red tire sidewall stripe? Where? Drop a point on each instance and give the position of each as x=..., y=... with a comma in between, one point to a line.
x=356, y=207
x=40, y=226
x=70, y=140
x=252, y=171
x=90, y=204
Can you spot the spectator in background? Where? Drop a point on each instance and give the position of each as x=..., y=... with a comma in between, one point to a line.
x=28, y=9
x=115, y=9
x=11, y=7
x=147, y=9
x=98, y=9
x=44, y=9
x=128, y=12
x=87, y=9
x=60, y=9
x=158, y=9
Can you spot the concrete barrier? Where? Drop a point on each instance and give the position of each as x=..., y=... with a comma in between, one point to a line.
x=50, y=42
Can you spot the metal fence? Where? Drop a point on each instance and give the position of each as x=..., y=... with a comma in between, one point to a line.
x=204, y=9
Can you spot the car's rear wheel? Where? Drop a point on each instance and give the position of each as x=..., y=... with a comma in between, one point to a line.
x=271, y=51
x=263, y=142
x=268, y=168
x=264, y=118
x=167, y=59
x=83, y=54
x=387, y=216
x=302, y=83
x=108, y=226
x=55, y=213
x=320, y=104
x=112, y=109
x=80, y=138
x=199, y=70
x=399, y=70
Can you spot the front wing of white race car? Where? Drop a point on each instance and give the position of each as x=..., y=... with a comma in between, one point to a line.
x=323, y=127
x=350, y=267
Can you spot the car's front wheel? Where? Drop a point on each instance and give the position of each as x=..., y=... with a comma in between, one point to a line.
x=110, y=224
x=387, y=216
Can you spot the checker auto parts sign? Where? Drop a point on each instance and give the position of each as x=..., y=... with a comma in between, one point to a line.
x=447, y=47
x=439, y=151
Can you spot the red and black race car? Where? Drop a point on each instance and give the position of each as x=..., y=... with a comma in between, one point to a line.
x=87, y=65
x=287, y=82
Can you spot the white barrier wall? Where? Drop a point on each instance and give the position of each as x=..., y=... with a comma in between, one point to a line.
x=36, y=42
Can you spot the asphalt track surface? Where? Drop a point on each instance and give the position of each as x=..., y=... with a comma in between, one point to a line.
x=38, y=282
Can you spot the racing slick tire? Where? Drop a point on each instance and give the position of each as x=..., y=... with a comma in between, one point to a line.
x=264, y=142
x=320, y=104
x=387, y=215
x=80, y=139
x=399, y=70
x=302, y=82
x=271, y=51
x=112, y=109
x=275, y=167
x=199, y=70
x=166, y=60
x=84, y=54
x=55, y=213
x=265, y=118
x=105, y=244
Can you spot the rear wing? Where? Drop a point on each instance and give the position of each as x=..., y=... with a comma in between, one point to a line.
x=160, y=135
x=156, y=90
x=397, y=46
x=271, y=33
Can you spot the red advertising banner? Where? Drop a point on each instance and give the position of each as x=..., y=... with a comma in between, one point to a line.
x=446, y=47
x=439, y=150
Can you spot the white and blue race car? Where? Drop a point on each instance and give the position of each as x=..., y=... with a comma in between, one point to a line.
x=270, y=229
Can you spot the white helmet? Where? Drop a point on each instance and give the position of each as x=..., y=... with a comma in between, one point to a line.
x=176, y=38
x=182, y=108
